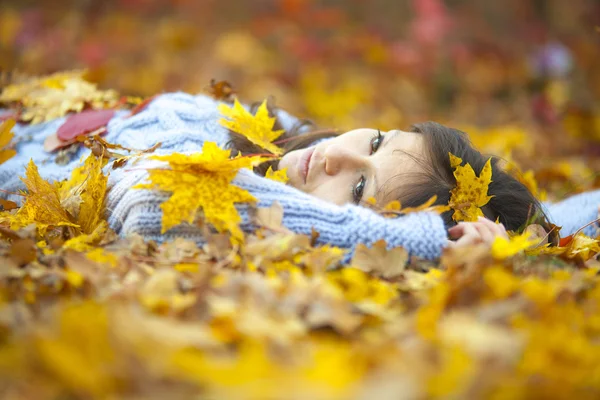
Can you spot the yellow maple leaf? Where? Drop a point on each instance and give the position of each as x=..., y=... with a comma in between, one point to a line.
x=279, y=175
x=78, y=203
x=6, y=136
x=395, y=207
x=83, y=195
x=86, y=241
x=470, y=193
x=201, y=181
x=211, y=159
x=42, y=204
x=504, y=248
x=91, y=211
x=256, y=128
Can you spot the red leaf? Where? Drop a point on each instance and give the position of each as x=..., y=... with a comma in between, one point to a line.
x=565, y=241
x=83, y=123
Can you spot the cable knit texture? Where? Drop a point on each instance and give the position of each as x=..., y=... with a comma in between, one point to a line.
x=182, y=123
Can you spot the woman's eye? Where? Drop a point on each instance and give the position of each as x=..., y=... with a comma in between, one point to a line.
x=376, y=141
x=359, y=188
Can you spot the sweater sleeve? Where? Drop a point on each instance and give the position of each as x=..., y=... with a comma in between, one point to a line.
x=422, y=234
x=574, y=212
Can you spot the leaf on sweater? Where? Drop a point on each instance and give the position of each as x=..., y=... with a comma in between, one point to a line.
x=84, y=193
x=271, y=217
x=6, y=136
x=279, y=175
x=256, y=128
x=201, y=182
x=93, y=193
x=42, y=204
x=83, y=123
x=46, y=98
x=394, y=207
x=78, y=203
x=470, y=193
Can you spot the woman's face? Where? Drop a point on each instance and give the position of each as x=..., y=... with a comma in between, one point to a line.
x=353, y=166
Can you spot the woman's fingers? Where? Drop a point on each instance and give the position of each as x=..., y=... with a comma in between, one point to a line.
x=498, y=229
x=481, y=231
x=470, y=235
x=485, y=231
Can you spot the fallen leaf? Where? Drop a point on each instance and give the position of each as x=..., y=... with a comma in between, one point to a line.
x=83, y=123
x=7, y=205
x=201, y=182
x=503, y=248
x=42, y=204
x=23, y=251
x=271, y=217
x=54, y=96
x=380, y=261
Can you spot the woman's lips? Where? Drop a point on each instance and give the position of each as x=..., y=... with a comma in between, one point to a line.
x=304, y=162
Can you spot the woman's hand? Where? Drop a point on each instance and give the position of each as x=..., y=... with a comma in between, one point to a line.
x=481, y=231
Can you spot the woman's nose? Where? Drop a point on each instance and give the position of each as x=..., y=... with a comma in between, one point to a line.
x=338, y=158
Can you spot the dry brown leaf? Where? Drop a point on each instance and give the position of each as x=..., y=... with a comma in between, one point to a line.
x=380, y=261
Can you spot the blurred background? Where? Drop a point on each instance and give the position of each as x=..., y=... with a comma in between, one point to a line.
x=522, y=77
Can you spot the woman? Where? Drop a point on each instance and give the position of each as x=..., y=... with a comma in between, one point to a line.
x=326, y=178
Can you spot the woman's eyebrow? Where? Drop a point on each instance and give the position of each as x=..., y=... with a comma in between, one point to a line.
x=389, y=138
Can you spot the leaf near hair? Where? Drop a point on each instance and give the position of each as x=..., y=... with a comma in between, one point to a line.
x=256, y=128
x=470, y=193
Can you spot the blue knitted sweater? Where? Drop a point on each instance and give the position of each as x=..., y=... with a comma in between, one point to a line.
x=183, y=122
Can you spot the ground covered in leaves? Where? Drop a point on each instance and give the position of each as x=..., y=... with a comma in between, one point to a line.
x=85, y=314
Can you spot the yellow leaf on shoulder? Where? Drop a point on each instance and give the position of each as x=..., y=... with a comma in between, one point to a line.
x=256, y=128
x=201, y=183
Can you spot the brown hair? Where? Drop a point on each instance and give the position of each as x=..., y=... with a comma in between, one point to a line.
x=512, y=203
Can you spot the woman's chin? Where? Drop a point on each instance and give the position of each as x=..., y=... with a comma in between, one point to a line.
x=289, y=161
